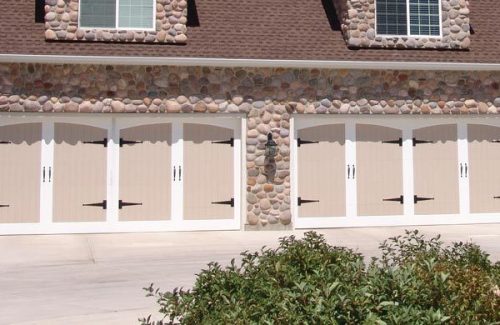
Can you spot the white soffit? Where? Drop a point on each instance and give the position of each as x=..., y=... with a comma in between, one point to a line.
x=259, y=63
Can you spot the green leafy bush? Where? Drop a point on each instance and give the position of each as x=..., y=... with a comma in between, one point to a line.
x=306, y=281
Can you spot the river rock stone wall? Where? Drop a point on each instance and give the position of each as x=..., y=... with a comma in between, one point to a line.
x=268, y=97
x=358, y=19
x=61, y=23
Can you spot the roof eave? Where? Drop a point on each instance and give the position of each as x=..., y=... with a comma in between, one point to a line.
x=257, y=63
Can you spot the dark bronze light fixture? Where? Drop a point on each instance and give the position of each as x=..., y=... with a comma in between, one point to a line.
x=271, y=147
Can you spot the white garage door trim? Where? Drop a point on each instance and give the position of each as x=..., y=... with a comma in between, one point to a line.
x=407, y=124
x=113, y=125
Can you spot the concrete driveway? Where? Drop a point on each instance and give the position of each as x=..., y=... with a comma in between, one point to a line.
x=98, y=279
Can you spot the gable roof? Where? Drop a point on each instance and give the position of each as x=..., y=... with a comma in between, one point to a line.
x=257, y=29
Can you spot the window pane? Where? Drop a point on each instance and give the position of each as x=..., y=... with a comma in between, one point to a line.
x=424, y=17
x=136, y=14
x=98, y=13
x=391, y=17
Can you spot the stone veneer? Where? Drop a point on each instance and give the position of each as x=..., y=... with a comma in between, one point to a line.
x=359, y=28
x=266, y=96
x=61, y=23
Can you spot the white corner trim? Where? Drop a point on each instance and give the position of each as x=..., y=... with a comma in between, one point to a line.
x=257, y=63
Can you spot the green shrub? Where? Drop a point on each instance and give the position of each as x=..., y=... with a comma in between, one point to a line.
x=307, y=281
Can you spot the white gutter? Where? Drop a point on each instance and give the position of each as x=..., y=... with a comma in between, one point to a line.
x=258, y=63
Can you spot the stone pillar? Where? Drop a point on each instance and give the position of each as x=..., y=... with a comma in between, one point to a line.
x=268, y=182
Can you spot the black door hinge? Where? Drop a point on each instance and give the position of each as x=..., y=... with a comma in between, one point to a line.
x=5, y=142
x=399, y=199
x=301, y=142
x=103, y=205
x=398, y=141
x=4, y=206
x=300, y=201
x=122, y=204
x=230, y=202
x=103, y=142
x=230, y=142
x=415, y=141
x=124, y=142
x=417, y=199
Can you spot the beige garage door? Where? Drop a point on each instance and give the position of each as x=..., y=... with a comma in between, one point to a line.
x=145, y=172
x=484, y=160
x=435, y=170
x=379, y=170
x=208, y=172
x=20, y=154
x=321, y=171
x=79, y=173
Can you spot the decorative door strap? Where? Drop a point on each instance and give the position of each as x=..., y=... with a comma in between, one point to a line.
x=399, y=199
x=103, y=142
x=302, y=201
x=496, y=197
x=4, y=206
x=301, y=142
x=400, y=141
x=417, y=199
x=5, y=142
x=129, y=142
x=103, y=205
x=230, y=142
x=122, y=204
x=230, y=202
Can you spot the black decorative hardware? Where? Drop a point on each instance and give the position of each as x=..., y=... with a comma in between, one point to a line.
x=348, y=171
x=5, y=142
x=495, y=141
x=301, y=142
x=122, y=204
x=175, y=171
x=496, y=197
x=103, y=142
x=103, y=205
x=4, y=206
x=417, y=199
x=230, y=202
x=301, y=201
x=399, y=199
x=124, y=142
x=43, y=174
x=461, y=170
x=415, y=142
x=398, y=141
x=466, y=170
x=353, y=171
x=230, y=142
x=180, y=173
x=50, y=174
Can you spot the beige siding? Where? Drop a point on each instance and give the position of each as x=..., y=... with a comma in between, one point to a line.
x=435, y=170
x=208, y=172
x=79, y=173
x=20, y=173
x=145, y=172
x=379, y=170
x=321, y=171
x=484, y=159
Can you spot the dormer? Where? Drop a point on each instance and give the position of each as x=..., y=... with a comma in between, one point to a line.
x=411, y=24
x=138, y=21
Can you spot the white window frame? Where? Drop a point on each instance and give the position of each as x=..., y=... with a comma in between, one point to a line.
x=408, y=23
x=117, y=17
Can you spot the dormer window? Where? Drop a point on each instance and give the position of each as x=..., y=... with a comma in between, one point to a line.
x=118, y=14
x=408, y=17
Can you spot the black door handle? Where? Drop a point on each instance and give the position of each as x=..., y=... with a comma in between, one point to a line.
x=399, y=199
x=353, y=171
x=348, y=171
x=175, y=171
x=50, y=174
x=103, y=205
x=461, y=170
x=43, y=174
x=301, y=201
x=466, y=170
x=417, y=199
x=180, y=173
x=230, y=202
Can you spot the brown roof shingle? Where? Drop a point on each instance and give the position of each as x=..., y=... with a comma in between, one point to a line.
x=256, y=29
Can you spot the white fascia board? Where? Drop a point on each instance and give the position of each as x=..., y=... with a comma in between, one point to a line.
x=257, y=63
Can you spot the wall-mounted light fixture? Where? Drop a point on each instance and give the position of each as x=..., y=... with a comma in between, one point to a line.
x=271, y=147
